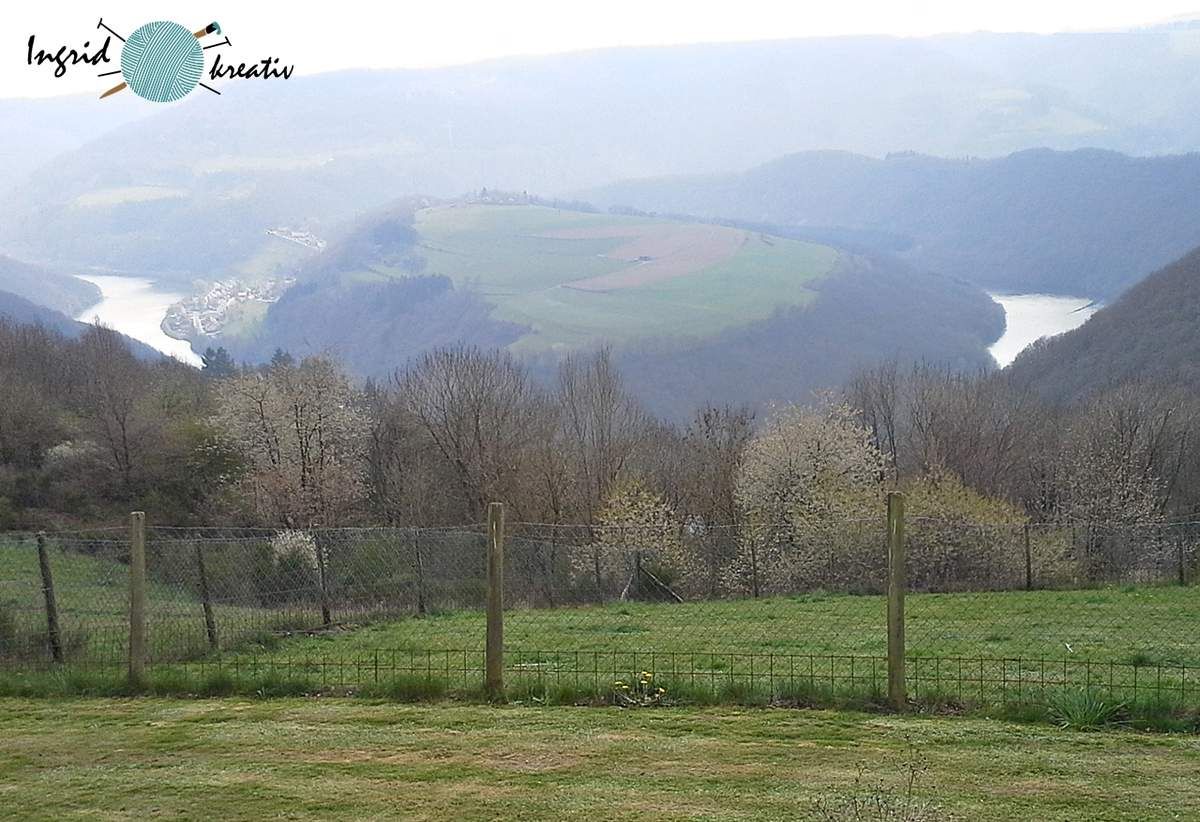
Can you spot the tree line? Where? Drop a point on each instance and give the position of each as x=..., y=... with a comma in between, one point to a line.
x=89, y=432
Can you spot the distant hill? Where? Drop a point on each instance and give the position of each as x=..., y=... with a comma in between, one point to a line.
x=695, y=312
x=45, y=287
x=187, y=187
x=21, y=311
x=1087, y=222
x=1152, y=333
x=554, y=279
x=35, y=130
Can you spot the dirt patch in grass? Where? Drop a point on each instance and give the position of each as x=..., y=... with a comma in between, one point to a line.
x=656, y=253
x=534, y=761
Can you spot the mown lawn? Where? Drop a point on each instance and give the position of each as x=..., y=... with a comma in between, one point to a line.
x=331, y=758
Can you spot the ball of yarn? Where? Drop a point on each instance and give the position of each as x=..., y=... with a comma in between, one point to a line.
x=162, y=61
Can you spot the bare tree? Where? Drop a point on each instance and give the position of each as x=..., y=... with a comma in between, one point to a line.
x=405, y=473
x=483, y=414
x=875, y=394
x=114, y=407
x=601, y=425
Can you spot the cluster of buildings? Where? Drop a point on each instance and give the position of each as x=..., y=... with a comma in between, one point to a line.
x=207, y=313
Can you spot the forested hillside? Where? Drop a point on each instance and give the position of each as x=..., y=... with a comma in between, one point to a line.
x=54, y=290
x=1151, y=334
x=1087, y=223
x=873, y=308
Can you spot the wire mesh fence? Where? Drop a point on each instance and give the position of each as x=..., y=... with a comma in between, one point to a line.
x=992, y=612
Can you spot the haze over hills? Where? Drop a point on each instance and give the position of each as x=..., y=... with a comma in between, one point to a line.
x=33, y=131
x=191, y=190
x=1085, y=222
x=1151, y=334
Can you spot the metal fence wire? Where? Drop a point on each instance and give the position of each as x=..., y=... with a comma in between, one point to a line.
x=992, y=611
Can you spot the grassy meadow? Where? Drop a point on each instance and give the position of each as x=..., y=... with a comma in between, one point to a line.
x=340, y=759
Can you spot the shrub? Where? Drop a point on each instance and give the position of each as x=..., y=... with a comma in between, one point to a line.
x=1084, y=710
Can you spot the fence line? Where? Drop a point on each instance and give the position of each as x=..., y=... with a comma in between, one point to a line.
x=898, y=606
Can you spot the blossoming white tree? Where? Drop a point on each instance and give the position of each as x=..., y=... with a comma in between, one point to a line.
x=806, y=476
x=635, y=525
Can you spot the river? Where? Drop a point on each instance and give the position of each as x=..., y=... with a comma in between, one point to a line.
x=1029, y=317
x=136, y=307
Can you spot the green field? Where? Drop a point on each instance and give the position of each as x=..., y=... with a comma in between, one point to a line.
x=509, y=254
x=984, y=647
x=1149, y=626
x=331, y=758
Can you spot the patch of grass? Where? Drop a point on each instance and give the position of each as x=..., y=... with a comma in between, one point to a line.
x=406, y=688
x=875, y=799
x=1023, y=712
x=1163, y=713
x=273, y=685
x=534, y=691
x=218, y=683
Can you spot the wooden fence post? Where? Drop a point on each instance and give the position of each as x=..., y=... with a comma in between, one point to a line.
x=52, y=632
x=323, y=579
x=494, y=680
x=137, y=597
x=420, y=568
x=1028, y=561
x=210, y=621
x=897, y=691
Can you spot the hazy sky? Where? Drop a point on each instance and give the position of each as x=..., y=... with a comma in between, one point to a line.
x=340, y=34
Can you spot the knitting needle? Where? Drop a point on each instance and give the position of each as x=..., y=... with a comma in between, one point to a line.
x=209, y=29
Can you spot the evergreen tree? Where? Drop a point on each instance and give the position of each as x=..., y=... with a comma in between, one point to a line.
x=218, y=363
